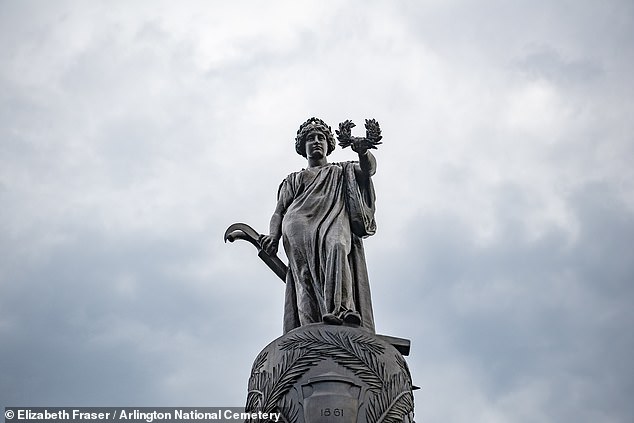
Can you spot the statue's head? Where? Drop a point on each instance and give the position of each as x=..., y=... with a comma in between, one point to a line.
x=311, y=125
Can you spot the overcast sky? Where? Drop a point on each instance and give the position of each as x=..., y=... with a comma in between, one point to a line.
x=133, y=133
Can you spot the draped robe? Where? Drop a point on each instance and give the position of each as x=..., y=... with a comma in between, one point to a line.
x=327, y=213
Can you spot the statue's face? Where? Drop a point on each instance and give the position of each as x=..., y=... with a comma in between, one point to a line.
x=316, y=145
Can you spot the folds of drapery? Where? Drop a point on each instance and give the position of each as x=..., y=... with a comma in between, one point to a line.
x=328, y=213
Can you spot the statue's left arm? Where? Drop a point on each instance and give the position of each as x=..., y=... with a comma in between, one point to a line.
x=366, y=168
x=360, y=196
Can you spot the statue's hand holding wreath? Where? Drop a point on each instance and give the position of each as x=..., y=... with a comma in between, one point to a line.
x=359, y=144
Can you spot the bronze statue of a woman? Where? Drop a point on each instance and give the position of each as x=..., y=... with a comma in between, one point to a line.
x=322, y=214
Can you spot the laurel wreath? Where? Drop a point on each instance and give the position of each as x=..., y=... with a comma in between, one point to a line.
x=372, y=135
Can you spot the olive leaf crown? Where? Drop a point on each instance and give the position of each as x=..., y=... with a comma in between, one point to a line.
x=310, y=125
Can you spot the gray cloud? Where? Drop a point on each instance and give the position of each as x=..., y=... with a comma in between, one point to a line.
x=133, y=135
x=518, y=312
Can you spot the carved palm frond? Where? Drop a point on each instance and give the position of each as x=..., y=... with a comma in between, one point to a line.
x=292, y=366
x=259, y=362
x=254, y=395
x=402, y=364
x=394, y=404
x=267, y=390
x=357, y=353
x=288, y=411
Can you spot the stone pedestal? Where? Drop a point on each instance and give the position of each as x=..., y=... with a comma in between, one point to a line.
x=323, y=373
